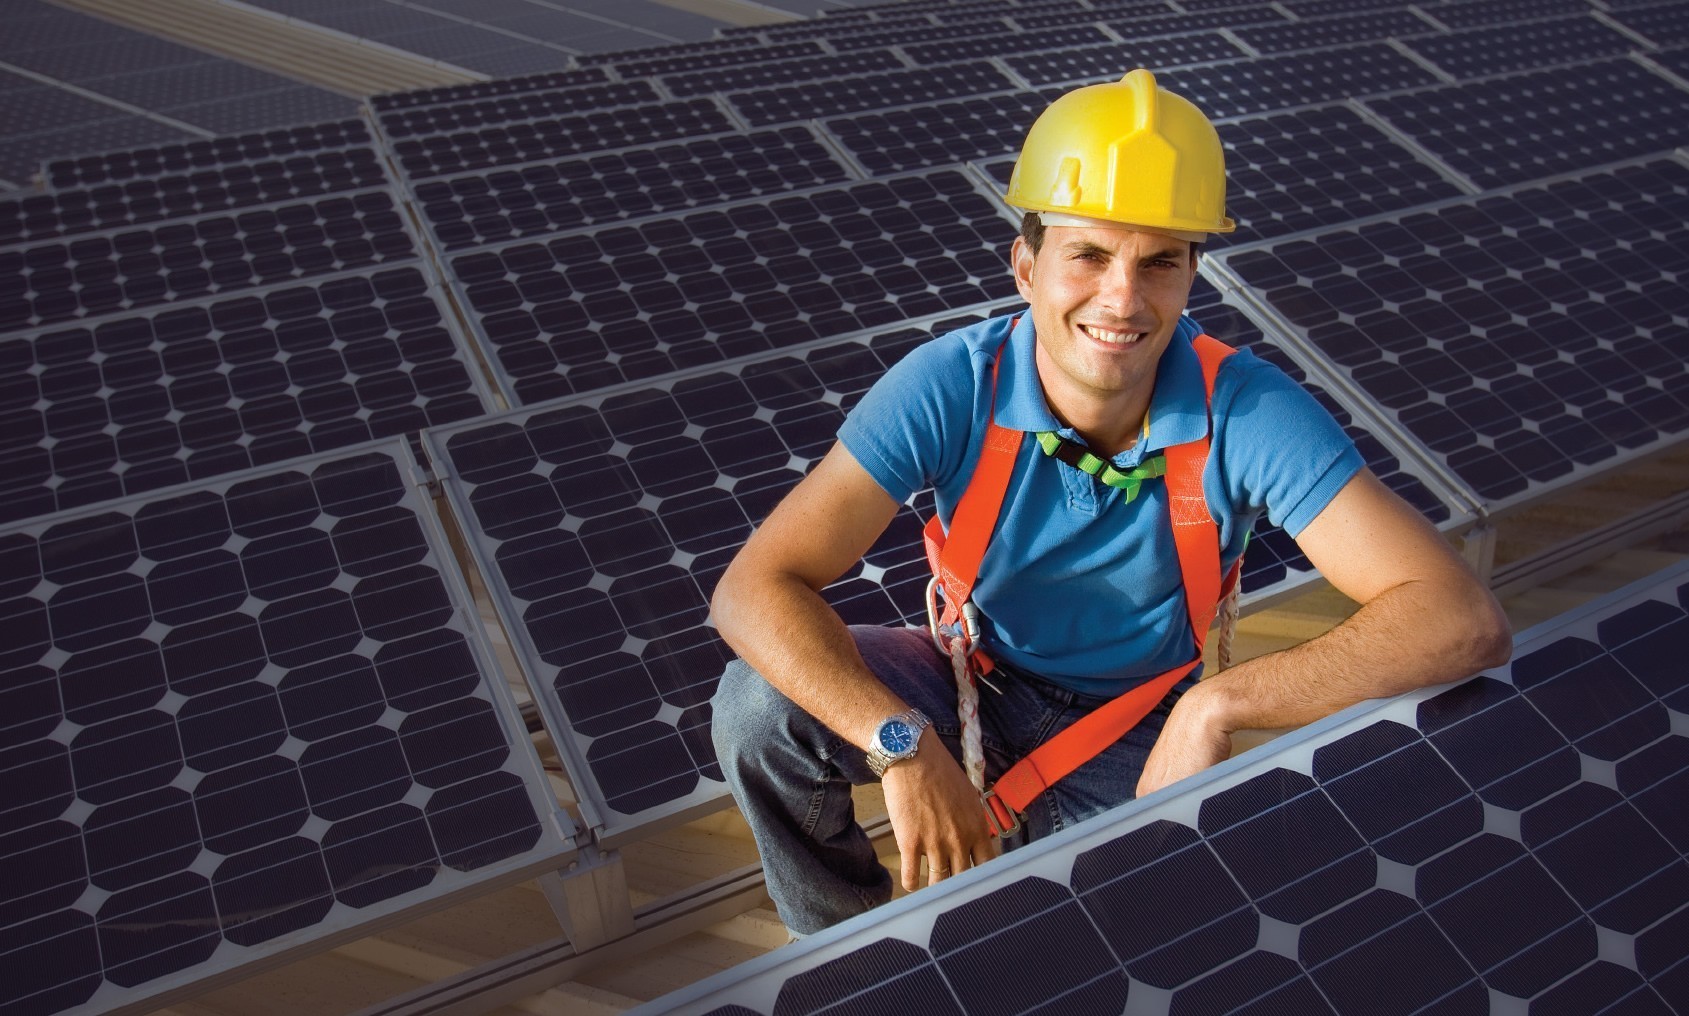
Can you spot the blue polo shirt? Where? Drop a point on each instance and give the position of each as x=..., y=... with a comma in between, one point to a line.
x=1077, y=585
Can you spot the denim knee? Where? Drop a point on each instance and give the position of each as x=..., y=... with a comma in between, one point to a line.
x=745, y=711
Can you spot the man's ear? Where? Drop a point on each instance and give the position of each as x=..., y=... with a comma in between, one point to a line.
x=1020, y=259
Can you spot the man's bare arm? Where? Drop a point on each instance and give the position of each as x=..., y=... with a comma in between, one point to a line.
x=1424, y=619
x=769, y=609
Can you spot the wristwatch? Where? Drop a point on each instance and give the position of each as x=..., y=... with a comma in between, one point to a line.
x=895, y=740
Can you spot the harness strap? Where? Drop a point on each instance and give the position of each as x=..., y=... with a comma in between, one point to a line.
x=1196, y=538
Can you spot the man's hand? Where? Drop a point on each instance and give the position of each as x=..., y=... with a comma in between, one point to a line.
x=1193, y=739
x=935, y=813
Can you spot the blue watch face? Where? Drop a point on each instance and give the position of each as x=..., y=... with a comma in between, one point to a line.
x=897, y=737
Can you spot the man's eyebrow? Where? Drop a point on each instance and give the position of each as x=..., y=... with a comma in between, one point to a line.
x=1168, y=254
x=1085, y=247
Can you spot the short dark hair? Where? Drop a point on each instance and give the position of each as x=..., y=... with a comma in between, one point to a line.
x=1032, y=229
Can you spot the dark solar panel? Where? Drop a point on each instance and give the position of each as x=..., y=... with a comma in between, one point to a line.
x=603, y=524
x=197, y=155
x=1110, y=62
x=1480, y=52
x=105, y=273
x=1299, y=79
x=762, y=75
x=1447, y=851
x=552, y=197
x=986, y=47
x=189, y=391
x=1665, y=25
x=1493, y=12
x=688, y=61
x=833, y=29
x=1327, y=8
x=1524, y=338
x=487, y=89
x=913, y=34
x=808, y=100
x=1336, y=31
x=1138, y=28
x=1305, y=169
x=941, y=133
x=552, y=138
x=404, y=123
x=629, y=302
x=1516, y=128
x=1676, y=61
x=238, y=718
x=181, y=195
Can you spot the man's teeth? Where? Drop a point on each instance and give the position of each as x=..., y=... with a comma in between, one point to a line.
x=1113, y=337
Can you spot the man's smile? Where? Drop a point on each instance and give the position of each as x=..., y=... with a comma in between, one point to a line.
x=1110, y=336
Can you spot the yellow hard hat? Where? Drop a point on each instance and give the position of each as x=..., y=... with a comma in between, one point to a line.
x=1126, y=152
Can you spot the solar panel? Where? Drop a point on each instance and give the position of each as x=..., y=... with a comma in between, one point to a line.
x=485, y=207
x=939, y=134
x=261, y=110
x=1336, y=31
x=1665, y=25
x=1327, y=8
x=1493, y=12
x=991, y=46
x=487, y=89
x=1482, y=52
x=1452, y=850
x=762, y=75
x=195, y=389
x=242, y=720
x=1109, y=62
x=196, y=155
x=904, y=35
x=1525, y=337
x=688, y=60
x=1138, y=28
x=1511, y=129
x=183, y=195
x=103, y=273
x=623, y=303
x=454, y=116
x=807, y=100
x=602, y=524
x=1675, y=61
x=1299, y=79
x=556, y=137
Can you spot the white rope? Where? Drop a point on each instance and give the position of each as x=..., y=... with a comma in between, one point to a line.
x=967, y=710
x=1228, y=627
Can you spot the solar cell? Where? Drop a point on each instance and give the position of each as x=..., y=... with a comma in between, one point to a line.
x=1676, y=61
x=21, y=157
x=940, y=133
x=905, y=35
x=1510, y=129
x=1327, y=8
x=1336, y=31
x=454, y=116
x=556, y=137
x=807, y=100
x=1385, y=860
x=1481, y=52
x=487, y=89
x=1301, y=79
x=1665, y=25
x=551, y=197
x=1109, y=62
x=1492, y=12
x=196, y=389
x=1523, y=337
x=242, y=719
x=830, y=28
x=688, y=60
x=196, y=155
x=1140, y=27
x=589, y=310
x=256, y=112
x=104, y=206
x=762, y=75
x=104, y=273
x=603, y=523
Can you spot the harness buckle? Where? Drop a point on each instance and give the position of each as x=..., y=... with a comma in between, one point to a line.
x=1005, y=821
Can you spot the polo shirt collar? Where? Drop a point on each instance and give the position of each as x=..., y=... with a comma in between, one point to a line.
x=1178, y=408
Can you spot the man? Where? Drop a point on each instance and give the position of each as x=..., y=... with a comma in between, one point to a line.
x=1081, y=594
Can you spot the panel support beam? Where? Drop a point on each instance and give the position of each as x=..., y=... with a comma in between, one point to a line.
x=591, y=899
x=1477, y=546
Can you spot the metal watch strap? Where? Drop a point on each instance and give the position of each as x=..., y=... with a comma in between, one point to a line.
x=879, y=760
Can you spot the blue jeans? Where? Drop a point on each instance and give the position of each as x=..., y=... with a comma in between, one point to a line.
x=792, y=776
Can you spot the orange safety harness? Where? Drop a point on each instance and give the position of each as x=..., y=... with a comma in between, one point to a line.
x=955, y=560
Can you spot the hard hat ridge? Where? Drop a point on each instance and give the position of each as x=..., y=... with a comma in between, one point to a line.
x=1129, y=153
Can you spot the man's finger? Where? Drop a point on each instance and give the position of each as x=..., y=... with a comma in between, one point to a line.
x=938, y=869
x=911, y=870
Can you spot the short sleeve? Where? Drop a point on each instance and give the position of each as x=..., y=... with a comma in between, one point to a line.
x=1278, y=449
x=911, y=429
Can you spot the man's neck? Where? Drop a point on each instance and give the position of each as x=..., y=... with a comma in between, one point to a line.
x=1108, y=422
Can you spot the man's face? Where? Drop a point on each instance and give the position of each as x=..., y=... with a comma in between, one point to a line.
x=1105, y=302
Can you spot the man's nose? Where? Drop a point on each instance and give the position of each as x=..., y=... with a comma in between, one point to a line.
x=1120, y=292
